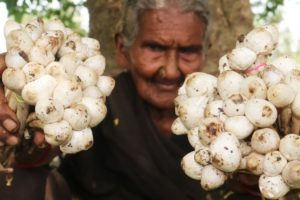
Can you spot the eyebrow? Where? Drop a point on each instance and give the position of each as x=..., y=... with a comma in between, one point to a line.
x=187, y=47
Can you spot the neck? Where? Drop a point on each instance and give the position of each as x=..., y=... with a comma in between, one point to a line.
x=163, y=119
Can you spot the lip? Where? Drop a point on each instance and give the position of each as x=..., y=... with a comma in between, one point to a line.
x=167, y=87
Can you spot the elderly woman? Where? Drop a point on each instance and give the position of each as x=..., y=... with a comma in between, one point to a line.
x=135, y=155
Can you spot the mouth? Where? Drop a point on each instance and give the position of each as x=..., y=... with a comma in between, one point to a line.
x=168, y=85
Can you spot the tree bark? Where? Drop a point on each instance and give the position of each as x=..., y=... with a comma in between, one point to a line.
x=230, y=19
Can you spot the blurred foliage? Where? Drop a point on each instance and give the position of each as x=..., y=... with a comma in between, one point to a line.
x=65, y=10
x=267, y=11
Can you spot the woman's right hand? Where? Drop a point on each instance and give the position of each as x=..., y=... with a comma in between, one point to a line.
x=9, y=124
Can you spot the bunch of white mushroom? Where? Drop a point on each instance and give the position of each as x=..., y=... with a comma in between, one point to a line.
x=60, y=74
x=247, y=119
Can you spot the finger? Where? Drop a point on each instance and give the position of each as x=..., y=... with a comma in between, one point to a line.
x=2, y=63
x=12, y=140
x=10, y=125
x=7, y=138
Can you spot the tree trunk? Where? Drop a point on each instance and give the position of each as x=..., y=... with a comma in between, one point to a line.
x=230, y=19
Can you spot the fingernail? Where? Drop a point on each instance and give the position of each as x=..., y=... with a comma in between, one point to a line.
x=12, y=140
x=9, y=125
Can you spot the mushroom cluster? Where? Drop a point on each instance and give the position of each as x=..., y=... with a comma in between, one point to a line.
x=60, y=74
x=245, y=120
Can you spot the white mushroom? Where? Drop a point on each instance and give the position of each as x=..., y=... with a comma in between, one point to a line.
x=14, y=79
x=240, y=126
x=191, y=110
x=293, y=80
x=68, y=91
x=253, y=87
x=210, y=129
x=35, y=28
x=212, y=178
x=41, y=55
x=245, y=148
x=271, y=75
x=178, y=128
x=223, y=64
x=19, y=38
x=254, y=163
x=260, y=112
x=77, y=116
x=229, y=83
x=58, y=133
x=273, y=30
x=280, y=95
x=296, y=105
x=240, y=58
x=260, y=41
x=11, y=25
x=215, y=109
x=93, y=91
x=265, y=140
x=49, y=110
x=54, y=25
x=290, y=146
x=190, y=167
x=96, y=110
x=202, y=155
x=96, y=63
x=70, y=62
x=272, y=187
x=15, y=58
x=200, y=84
x=33, y=71
x=225, y=152
x=105, y=84
x=193, y=137
x=285, y=64
x=87, y=76
x=80, y=141
x=234, y=105
x=291, y=175
x=273, y=164
x=41, y=88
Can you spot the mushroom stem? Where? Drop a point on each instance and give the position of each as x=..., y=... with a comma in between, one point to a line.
x=291, y=174
x=295, y=125
x=285, y=120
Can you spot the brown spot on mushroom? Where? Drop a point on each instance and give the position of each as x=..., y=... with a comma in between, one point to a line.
x=24, y=56
x=237, y=99
x=261, y=138
x=267, y=111
x=217, y=161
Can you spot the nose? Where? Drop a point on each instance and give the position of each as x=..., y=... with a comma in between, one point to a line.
x=170, y=70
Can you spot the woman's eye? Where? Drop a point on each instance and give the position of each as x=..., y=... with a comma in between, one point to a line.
x=190, y=50
x=156, y=47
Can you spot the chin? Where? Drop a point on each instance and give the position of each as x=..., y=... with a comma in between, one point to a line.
x=163, y=103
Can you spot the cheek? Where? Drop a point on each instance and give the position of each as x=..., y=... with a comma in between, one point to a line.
x=190, y=67
x=144, y=64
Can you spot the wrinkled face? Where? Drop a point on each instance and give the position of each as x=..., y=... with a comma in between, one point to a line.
x=169, y=46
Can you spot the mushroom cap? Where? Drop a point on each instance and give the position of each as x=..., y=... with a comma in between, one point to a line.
x=274, y=163
x=290, y=146
x=212, y=177
x=190, y=167
x=229, y=83
x=272, y=187
x=265, y=140
x=260, y=112
x=225, y=152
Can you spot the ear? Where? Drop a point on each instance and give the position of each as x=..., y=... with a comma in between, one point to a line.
x=121, y=54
